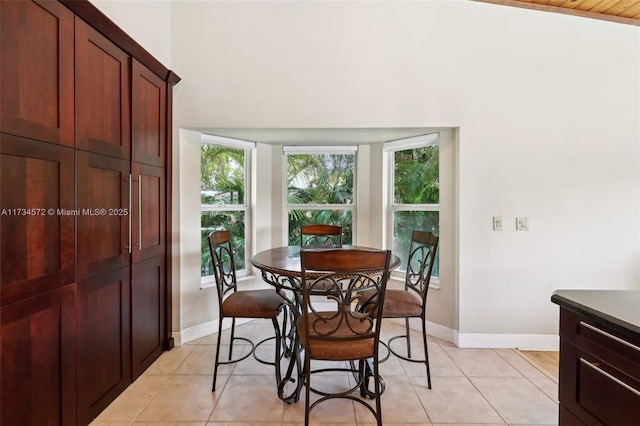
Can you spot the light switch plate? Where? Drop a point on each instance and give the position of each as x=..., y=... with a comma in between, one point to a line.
x=522, y=223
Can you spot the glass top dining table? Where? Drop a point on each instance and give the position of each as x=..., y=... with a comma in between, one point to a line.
x=281, y=268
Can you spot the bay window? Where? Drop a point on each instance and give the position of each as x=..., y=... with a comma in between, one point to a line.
x=224, y=186
x=414, y=192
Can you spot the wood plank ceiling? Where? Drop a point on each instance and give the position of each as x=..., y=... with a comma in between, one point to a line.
x=622, y=11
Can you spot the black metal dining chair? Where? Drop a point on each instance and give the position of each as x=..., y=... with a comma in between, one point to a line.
x=330, y=328
x=321, y=234
x=412, y=301
x=234, y=303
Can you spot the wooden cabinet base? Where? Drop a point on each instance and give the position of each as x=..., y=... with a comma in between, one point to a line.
x=38, y=358
x=567, y=418
x=148, y=292
x=104, y=341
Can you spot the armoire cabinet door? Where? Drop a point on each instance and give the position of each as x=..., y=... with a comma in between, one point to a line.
x=102, y=94
x=148, y=314
x=38, y=360
x=36, y=64
x=37, y=223
x=104, y=341
x=104, y=220
x=149, y=212
x=149, y=116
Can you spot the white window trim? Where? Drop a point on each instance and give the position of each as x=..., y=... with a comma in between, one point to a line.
x=389, y=149
x=319, y=149
x=248, y=147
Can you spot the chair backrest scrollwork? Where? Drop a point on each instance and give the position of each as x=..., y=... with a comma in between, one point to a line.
x=331, y=282
x=422, y=254
x=223, y=262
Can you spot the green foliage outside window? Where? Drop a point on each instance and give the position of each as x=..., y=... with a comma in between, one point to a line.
x=218, y=220
x=319, y=179
x=416, y=183
x=405, y=222
x=416, y=179
x=222, y=186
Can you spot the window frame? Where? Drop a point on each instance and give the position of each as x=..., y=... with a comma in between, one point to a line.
x=248, y=147
x=390, y=148
x=319, y=149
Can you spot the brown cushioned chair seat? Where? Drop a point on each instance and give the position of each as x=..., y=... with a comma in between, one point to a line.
x=397, y=303
x=252, y=304
x=327, y=349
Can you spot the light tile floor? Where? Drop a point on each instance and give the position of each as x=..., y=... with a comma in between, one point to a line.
x=469, y=387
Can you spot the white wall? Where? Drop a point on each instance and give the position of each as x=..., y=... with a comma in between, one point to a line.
x=147, y=21
x=547, y=107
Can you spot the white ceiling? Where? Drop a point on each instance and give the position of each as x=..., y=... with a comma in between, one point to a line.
x=319, y=136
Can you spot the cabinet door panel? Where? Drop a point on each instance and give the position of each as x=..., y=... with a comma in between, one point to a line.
x=103, y=220
x=148, y=316
x=36, y=64
x=150, y=212
x=36, y=229
x=595, y=391
x=102, y=94
x=38, y=352
x=104, y=341
x=149, y=116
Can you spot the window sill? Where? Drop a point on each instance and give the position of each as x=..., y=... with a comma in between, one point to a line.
x=398, y=279
x=210, y=282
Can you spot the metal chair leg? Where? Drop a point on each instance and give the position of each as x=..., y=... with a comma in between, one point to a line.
x=307, y=392
x=408, y=334
x=378, y=390
x=233, y=333
x=276, y=361
x=215, y=365
x=408, y=356
x=426, y=352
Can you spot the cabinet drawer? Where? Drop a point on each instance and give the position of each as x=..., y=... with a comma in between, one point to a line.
x=609, y=345
x=595, y=391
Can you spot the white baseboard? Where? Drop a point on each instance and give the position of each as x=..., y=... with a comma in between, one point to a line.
x=436, y=330
x=535, y=342
x=441, y=332
x=201, y=330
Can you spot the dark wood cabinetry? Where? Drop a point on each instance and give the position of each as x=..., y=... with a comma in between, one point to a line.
x=102, y=79
x=37, y=247
x=84, y=136
x=149, y=219
x=37, y=66
x=104, y=341
x=599, y=382
x=103, y=238
x=149, y=112
x=39, y=360
x=147, y=319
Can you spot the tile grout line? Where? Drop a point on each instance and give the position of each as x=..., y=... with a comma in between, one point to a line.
x=535, y=365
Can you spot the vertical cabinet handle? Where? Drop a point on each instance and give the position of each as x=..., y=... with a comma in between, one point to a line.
x=130, y=212
x=139, y=212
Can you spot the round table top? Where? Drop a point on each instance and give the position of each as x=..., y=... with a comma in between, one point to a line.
x=286, y=260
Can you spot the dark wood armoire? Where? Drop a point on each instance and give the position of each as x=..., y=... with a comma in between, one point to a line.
x=85, y=142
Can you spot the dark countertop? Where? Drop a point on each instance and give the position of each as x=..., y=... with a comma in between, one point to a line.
x=618, y=309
